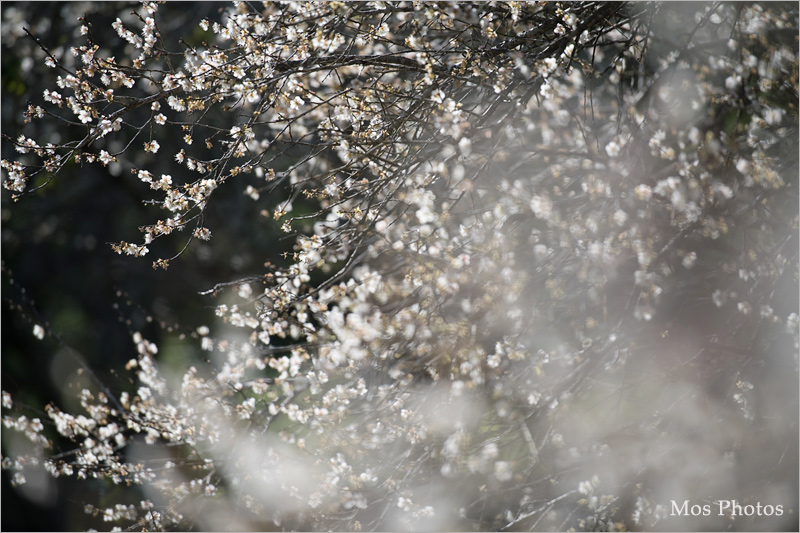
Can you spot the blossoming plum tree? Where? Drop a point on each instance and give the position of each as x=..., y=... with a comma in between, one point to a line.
x=543, y=276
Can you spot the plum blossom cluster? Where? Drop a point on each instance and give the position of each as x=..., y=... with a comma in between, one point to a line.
x=541, y=233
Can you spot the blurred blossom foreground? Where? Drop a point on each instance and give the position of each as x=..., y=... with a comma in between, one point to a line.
x=539, y=267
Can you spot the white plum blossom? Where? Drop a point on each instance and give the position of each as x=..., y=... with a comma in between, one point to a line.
x=483, y=273
x=613, y=149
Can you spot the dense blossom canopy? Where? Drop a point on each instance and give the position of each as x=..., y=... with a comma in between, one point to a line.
x=544, y=272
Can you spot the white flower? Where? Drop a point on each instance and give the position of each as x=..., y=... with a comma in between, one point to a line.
x=678, y=199
x=533, y=398
x=53, y=97
x=245, y=291
x=773, y=116
x=503, y=471
x=719, y=298
x=105, y=157
x=732, y=82
x=252, y=192
x=404, y=503
x=38, y=332
x=541, y=206
x=164, y=183
x=792, y=322
x=490, y=451
x=175, y=103
x=643, y=192
x=743, y=165
x=666, y=186
x=425, y=215
x=85, y=115
x=613, y=149
x=540, y=251
x=465, y=146
x=723, y=190
x=204, y=234
x=694, y=135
